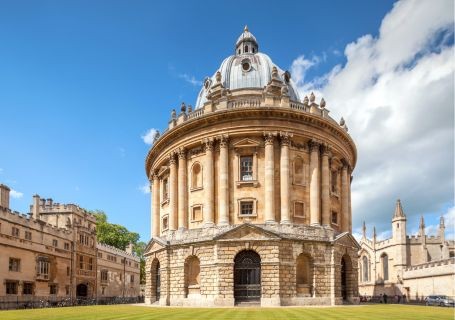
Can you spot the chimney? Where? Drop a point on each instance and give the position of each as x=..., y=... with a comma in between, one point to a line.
x=4, y=196
x=129, y=248
x=42, y=202
x=49, y=202
x=35, y=207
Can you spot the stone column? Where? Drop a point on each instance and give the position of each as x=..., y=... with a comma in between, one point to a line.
x=325, y=187
x=208, y=210
x=269, y=203
x=349, y=202
x=344, y=198
x=314, y=183
x=155, y=205
x=182, y=190
x=284, y=178
x=223, y=183
x=173, y=193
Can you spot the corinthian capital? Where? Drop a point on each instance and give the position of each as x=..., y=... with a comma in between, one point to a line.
x=269, y=137
x=208, y=144
x=285, y=138
x=224, y=141
x=172, y=158
x=314, y=145
x=182, y=153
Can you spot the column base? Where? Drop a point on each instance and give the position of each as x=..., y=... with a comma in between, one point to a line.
x=270, y=222
x=209, y=225
x=285, y=222
x=223, y=224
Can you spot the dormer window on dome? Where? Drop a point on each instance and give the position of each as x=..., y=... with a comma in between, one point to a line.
x=246, y=43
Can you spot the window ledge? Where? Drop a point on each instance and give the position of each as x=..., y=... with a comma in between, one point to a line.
x=165, y=202
x=254, y=215
x=247, y=183
x=196, y=189
x=304, y=184
x=334, y=194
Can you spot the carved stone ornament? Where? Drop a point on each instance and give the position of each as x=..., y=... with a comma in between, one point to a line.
x=208, y=144
x=182, y=153
x=172, y=159
x=314, y=145
x=224, y=141
x=312, y=97
x=322, y=103
x=218, y=76
x=269, y=137
x=285, y=138
x=305, y=101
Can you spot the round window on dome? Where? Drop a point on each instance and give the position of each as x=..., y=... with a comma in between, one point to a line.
x=246, y=65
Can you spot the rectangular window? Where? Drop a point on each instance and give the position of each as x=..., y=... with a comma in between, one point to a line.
x=14, y=264
x=299, y=209
x=132, y=278
x=246, y=208
x=54, y=243
x=334, y=179
x=246, y=168
x=120, y=277
x=90, y=263
x=196, y=213
x=67, y=246
x=43, y=268
x=28, y=235
x=68, y=271
x=27, y=288
x=15, y=232
x=53, y=289
x=11, y=287
x=100, y=255
x=334, y=217
x=165, y=189
x=81, y=262
x=104, y=274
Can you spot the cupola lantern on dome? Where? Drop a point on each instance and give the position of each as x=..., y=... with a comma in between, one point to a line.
x=246, y=43
x=247, y=69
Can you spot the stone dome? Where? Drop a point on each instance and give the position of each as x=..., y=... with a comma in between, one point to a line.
x=246, y=69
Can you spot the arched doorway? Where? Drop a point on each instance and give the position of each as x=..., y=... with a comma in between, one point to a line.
x=247, y=276
x=347, y=289
x=81, y=290
x=157, y=281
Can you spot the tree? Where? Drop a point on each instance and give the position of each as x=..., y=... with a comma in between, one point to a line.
x=113, y=234
x=139, y=250
x=119, y=237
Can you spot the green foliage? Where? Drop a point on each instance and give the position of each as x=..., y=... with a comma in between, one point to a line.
x=139, y=250
x=113, y=234
x=120, y=237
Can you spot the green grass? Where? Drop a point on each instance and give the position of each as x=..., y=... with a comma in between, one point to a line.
x=369, y=312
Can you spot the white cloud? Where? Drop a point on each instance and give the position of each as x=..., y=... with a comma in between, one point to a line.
x=15, y=194
x=149, y=136
x=145, y=189
x=190, y=79
x=449, y=221
x=396, y=92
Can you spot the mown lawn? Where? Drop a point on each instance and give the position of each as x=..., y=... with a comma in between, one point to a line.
x=369, y=312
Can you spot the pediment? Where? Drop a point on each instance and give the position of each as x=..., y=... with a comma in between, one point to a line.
x=154, y=245
x=247, y=232
x=346, y=239
x=246, y=143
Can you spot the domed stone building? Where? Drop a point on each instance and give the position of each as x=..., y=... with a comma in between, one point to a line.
x=251, y=197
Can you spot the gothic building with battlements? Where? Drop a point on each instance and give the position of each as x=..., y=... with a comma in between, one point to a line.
x=415, y=266
x=52, y=252
x=250, y=194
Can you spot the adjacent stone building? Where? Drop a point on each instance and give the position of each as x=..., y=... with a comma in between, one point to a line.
x=251, y=199
x=53, y=252
x=415, y=266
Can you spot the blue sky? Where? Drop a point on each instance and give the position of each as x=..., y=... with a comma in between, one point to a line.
x=82, y=81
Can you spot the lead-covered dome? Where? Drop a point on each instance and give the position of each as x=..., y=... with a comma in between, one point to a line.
x=247, y=68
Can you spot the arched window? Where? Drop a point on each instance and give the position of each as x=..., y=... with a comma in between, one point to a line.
x=196, y=176
x=246, y=48
x=253, y=50
x=155, y=280
x=304, y=277
x=298, y=170
x=192, y=270
x=365, y=269
x=385, y=266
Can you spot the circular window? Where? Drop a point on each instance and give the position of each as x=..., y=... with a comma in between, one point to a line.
x=246, y=65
